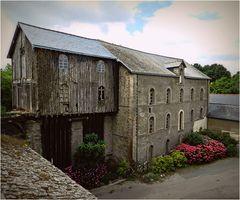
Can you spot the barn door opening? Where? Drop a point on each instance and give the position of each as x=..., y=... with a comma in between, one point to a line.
x=56, y=141
x=94, y=124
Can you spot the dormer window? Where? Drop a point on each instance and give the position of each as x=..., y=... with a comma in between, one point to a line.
x=100, y=66
x=181, y=75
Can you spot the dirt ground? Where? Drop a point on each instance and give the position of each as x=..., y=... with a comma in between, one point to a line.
x=216, y=180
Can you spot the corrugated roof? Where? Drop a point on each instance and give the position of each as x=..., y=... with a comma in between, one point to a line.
x=223, y=111
x=134, y=60
x=48, y=39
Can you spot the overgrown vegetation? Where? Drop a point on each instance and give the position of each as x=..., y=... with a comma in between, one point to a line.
x=90, y=153
x=123, y=168
x=6, y=89
x=225, y=138
x=168, y=163
x=222, y=82
x=193, y=139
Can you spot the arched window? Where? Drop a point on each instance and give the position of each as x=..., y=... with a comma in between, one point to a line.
x=168, y=121
x=180, y=120
x=168, y=96
x=64, y=93
x=151, y=96
x=192, y=94
x=192, y=116
x=180, y=76
x=100, y=66
x=63, y=67
x=101, y=93
x=201, y=113
x=63, y=63
x=151, y=124
x=181, y=95
x=201, y=94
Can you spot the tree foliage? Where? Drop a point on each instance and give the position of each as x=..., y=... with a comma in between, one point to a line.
x=214, y=71
x=6, y=88
x=222, y=82
x=226, y=85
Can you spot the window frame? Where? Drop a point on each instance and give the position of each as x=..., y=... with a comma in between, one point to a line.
x=152, y=96
x=168, y=95
x=167, y=121
x=181, y=95
x=101, y=93
x=151, y=124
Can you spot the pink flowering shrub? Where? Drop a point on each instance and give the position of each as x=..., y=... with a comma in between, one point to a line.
x=203, y=152
x=88, y=177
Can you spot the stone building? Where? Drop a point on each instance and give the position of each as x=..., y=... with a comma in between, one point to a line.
x=141, y=104
x=223, y=114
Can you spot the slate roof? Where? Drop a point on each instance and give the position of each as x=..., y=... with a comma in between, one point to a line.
x=224, y=106
x=135, y=61
x=54, y=40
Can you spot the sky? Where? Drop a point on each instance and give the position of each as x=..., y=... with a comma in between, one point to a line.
x=204, y=32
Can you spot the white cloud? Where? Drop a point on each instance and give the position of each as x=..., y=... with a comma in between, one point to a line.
x=171, y=31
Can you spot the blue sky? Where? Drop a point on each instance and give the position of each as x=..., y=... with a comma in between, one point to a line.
x=198, y=31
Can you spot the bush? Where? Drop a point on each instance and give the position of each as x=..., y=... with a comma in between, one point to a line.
x=150, y=177
x=225, y=138
x=203, y=152
x=162, y=164
x=232, y=150
x=179, y=159
x=193, y=139
x=90, y=153
x=123, y=168
x=222, y=137
x=88, y=177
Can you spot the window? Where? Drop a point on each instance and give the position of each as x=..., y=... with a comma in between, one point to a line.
x=151, y=96
x=180, y=126
x=181, y=95
x=151, y=124
x=201, y=113
x=192, y=116
x=192, y=94
x=180, y=76
x=101, y=93
x=201, y=94
x=64, y=93
x=100, y=66
x=63, y=64
x=168, y=97
x=168, y=121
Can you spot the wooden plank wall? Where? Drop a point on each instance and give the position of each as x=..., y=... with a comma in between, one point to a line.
x=24, y=75
x=83, y=81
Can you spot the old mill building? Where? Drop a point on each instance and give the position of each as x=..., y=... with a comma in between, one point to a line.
x=141, y=104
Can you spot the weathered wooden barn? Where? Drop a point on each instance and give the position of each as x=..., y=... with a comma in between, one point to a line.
x=141, y=104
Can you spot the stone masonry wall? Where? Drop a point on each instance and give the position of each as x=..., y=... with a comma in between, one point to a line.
x=33, y=132
x=125, y=119
x=158, y=139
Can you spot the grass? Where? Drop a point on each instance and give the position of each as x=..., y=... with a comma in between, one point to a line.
x=8, y=140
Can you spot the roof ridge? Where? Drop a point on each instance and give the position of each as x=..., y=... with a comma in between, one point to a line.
x=139, y=50
x=47, y=29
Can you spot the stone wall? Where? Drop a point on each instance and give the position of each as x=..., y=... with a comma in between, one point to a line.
x=161, y=139
x=124, y=122
x=77, y=135
x=33, y=132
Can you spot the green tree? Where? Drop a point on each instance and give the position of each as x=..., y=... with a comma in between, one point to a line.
x=6, y=88
x=235, y=83
x=214, y=71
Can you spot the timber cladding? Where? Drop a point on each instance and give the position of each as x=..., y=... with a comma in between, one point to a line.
x=82, y=83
